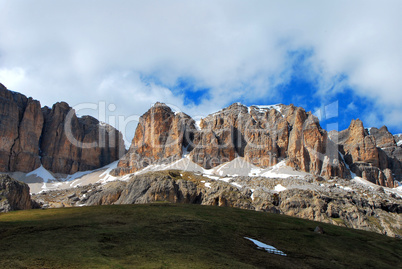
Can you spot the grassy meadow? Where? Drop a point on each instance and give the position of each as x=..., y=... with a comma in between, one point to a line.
x=163, y=235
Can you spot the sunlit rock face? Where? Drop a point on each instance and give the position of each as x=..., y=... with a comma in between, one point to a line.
x=372, y=154
x=161, y=137
x=263, y=136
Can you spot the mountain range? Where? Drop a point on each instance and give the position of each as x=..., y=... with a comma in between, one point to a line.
x=265, y=136
x=274, y=158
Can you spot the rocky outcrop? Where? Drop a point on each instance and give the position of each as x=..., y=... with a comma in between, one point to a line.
x=167, y=186
x=371, y=154
x=263, y=136
x=14, y=195
x=390, y=153
x=56, y=138
x=336, y=201
x=152, y=187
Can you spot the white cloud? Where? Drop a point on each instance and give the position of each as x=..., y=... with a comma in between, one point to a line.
x=12, y=77
x=87, y=51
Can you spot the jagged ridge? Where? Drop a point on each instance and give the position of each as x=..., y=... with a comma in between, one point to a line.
x=263, y=136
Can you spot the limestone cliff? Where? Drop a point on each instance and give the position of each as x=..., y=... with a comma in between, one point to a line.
x=21, y=122
x=372, y=154
x=70, y=144
x=56, y=137
x=263, y=136
x=161, y=137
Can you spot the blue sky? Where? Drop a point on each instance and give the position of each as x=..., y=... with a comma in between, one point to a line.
x=302, y=89
x=201, y=56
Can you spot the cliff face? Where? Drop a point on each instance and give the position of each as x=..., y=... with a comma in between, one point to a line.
x=70, y=144
x=31, y=136
x=161, y=137
x=21, y=122
x=263, y=136
x=372, y=154
x=14, y=195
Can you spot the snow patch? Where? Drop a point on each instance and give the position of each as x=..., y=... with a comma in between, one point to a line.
x=198, y=125
x=185, y=151
x=266, y=247
x=212, y=177
x=240, y=167
x=184, y=164
x=265, y=108
x=106, y=176
x=208, y=185
x=225, y=179
x=344, y=188
x=279, y=188
x=236, y=167
x=237, y=185
x=353, y=175
x=252, y=194
x=42, y=173
x=280, y=170
x=77, y=175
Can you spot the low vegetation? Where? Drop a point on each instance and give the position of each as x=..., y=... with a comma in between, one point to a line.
x=163, y=235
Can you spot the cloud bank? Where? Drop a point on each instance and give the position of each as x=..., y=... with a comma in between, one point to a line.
x=134, y=53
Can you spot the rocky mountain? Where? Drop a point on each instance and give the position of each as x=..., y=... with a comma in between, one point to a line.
x=371, y=154
x=161, y=136
x=207, y=162
x=32, y=136
x=264, y=136
x=14, y=195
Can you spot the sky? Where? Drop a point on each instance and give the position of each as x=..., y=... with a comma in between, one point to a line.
x=341, y=60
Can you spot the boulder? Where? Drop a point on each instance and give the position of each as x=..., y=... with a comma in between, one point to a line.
x=319, y=230
x=14, y=195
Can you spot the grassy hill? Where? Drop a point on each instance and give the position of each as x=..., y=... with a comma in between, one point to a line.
x=164, y=235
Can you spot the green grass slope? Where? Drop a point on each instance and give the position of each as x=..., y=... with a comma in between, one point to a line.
x=182, y=236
